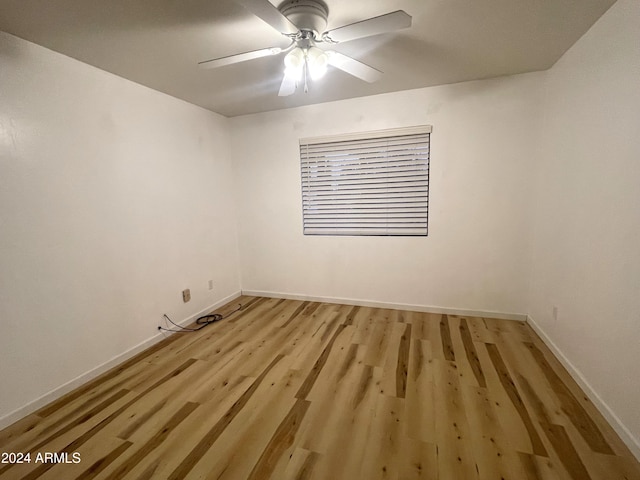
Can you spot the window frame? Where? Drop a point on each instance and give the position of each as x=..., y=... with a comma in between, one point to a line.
x=375, y=154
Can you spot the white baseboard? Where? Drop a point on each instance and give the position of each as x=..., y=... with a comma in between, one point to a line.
x=627, y=437
x=393, y=306
x=58, y=392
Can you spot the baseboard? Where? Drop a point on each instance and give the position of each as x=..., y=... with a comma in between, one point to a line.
x=393, y=306
x=627, y=437
x=58, y=392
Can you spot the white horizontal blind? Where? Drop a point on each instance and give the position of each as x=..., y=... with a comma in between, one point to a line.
x=374, y=183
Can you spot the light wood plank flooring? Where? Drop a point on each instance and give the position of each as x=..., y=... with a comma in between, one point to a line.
x=301, y=390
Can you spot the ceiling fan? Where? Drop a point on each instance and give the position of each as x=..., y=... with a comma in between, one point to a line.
x=302, y=21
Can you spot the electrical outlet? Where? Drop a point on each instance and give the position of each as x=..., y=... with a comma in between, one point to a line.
x=555, y=313
x=186, y=295
x=210, y=284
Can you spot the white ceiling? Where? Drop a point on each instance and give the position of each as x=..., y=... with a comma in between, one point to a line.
x=158, y=43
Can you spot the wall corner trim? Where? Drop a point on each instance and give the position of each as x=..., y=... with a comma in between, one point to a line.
x=627, y=437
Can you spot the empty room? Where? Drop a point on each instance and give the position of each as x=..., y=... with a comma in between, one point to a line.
x=318, y=239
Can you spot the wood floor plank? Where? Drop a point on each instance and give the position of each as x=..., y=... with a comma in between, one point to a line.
x=516, y=399
x=402, y=369
x=506, y=412
x=494, y=457
x=336, y=431
x=150, y=445
x=340, y=362
x=250, y=428
x=317, y=336
x=455, y=452
x=540, y=468
x=301, y=466
x=479, y=330
x=96, y=456
x=382, y=455
x=420, y=408
x=350, y=318
x=566, y=452
x=420, y=324
x=530, y=381
x=417, y=460
x=292, y=389
x=281, y=441
x=472, y=354
x=379, y=340
x=306, y=387
x=206, y=442
x=364, y=324
x=570, y=405
x=611, y=467
x=466, y=374
x=445, y=335
x=312, y=328
x=99, y=465
x=304, y=310
x=242, y=444
x=389, y=380
x=614, y=441
x=325, y=422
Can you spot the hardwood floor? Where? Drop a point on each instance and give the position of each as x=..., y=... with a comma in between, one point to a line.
x=301, y=390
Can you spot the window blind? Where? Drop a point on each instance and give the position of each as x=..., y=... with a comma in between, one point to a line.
x=373, y=183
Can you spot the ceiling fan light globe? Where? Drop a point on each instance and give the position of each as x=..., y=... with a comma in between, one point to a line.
x=317, y=60
x=314, y=53
x=294, y=59
x=317, y=71
x=321, y=62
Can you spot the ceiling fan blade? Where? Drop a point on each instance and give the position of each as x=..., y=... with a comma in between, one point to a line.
x=353, y=67
x=240, y=57
x=269, y=14
x=288, y=86
x=372, y=26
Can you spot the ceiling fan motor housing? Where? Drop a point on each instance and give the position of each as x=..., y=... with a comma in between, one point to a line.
x=307, y=15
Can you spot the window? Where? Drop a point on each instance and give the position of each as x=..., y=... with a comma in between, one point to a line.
x=371, y=183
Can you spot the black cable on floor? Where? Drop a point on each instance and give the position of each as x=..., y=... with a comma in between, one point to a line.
x=203, y=321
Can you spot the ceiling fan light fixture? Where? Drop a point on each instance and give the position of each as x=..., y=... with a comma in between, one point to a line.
x=317, y=72
x=294, y=59
x=294, y=63
x=302, y=21
x=317, y=61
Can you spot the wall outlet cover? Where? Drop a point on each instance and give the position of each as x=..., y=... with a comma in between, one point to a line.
x=186, y=295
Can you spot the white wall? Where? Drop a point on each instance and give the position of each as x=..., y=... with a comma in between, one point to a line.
x=477, y=253
x=113, y=199
x=587, y=241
